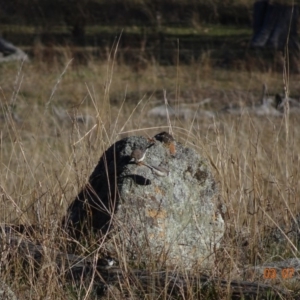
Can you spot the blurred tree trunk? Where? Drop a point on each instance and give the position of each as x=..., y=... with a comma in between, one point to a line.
x=76, y=15
x=275, y=26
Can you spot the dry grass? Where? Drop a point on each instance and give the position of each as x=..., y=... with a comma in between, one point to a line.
x=47, y=156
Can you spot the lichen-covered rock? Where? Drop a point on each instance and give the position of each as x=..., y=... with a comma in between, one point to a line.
x=170, y=219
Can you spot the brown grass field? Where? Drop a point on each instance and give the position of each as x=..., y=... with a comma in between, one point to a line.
x=47, y=156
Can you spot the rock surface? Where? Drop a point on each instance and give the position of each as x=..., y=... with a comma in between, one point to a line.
x=171, y=219
x=182, y=111
x=6, y=293
x=9, y=52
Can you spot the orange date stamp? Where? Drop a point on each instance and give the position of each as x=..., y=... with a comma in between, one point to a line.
x=286, y=273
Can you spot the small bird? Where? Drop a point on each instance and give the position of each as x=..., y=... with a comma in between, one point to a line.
x=168, y=140
x=105, y=263
x=138, y=155
x=159, y=171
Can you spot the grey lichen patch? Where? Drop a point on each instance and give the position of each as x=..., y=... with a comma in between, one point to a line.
x=6, y=293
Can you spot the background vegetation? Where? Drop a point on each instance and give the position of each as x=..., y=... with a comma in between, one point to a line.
x=71, y=19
